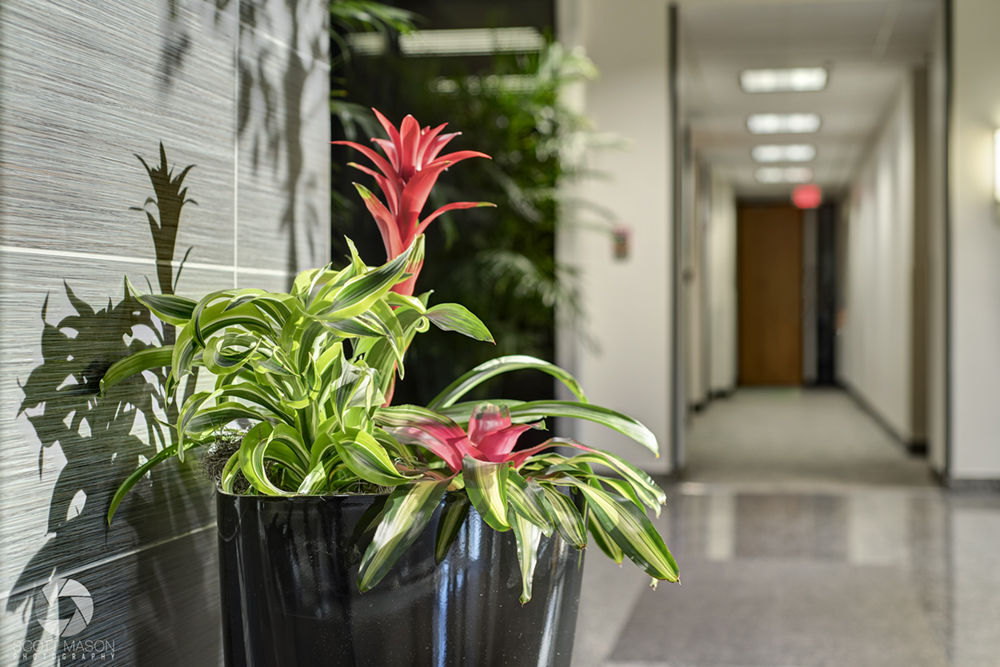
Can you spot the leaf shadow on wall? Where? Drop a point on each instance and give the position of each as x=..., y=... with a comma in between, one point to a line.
x=270, y=112
x=139, y=602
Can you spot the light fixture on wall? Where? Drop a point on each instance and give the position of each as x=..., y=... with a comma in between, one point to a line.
x=783, y=152
x=996, y=166
x=795, y=80
x=775, y=175
x=781, y=123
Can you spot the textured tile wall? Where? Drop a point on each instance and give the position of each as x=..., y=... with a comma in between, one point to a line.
x=237, y=88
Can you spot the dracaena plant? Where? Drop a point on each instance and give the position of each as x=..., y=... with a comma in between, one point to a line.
x=312, y=371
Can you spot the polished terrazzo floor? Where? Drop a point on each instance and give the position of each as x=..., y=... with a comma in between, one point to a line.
x=804, y=565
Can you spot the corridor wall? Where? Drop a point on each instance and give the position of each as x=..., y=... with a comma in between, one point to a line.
x=135, y=135
x=626, y=363
x=974, y=287
x=722, y=284
x=877, y=335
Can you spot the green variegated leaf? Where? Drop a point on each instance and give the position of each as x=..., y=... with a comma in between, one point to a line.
x=228, y=478
x=461, y=413
x=315, y=481
x=528, y=538
x=252, y=455
x=631, y=530
x=486, y=484
x=644, y=486
x=361, y=292
x=456, y=509
x=221, y=361
x=138, y=474
x=485, y=371
x=368, y=459
x=291, y=438
x=603, y=540
x=455, y=317
x=405, y=516
x=143, y=360
x=395, y=299
x=209, y=420
x=527, y=500
x=624, y=424
x=253, y=393
x=186, y=414
x=170, y=308
x=564, y=516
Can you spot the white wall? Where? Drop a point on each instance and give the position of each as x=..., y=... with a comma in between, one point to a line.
x=975, y=242
x=627, y=302
x=722, y=283
x=877, y=335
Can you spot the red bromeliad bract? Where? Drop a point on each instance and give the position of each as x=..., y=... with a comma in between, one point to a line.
x=491, y=437
x=409, y=170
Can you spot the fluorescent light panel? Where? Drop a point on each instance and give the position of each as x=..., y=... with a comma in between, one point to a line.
x=783, y=123
x=471, y=41
x=783, y=153
x=771, y=175
x=798, y=79
x=460, y=42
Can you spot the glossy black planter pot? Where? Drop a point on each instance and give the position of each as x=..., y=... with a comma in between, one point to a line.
x=289, y=597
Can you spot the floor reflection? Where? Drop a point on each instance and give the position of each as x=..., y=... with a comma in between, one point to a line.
x=878, y=576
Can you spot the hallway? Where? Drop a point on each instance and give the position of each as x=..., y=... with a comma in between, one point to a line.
x=806, y=537
x=796, y=436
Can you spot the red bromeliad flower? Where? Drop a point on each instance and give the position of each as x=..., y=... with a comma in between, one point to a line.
x=491, y=437
x=409, y=170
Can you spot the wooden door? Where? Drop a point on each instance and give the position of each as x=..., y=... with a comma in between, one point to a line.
x=769, y=287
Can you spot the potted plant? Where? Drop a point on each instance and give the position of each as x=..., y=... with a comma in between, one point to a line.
x=354, y=531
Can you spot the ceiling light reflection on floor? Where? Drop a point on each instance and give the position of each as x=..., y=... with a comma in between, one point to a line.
x=798, y=79
x=770, y=175
x=780, y=123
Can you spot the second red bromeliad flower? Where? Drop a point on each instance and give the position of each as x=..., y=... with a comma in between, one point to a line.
x=409, y=170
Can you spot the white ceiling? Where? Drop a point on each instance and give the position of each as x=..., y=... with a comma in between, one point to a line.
x=867, y=45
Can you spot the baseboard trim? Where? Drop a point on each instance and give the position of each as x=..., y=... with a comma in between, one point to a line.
x=973, y=485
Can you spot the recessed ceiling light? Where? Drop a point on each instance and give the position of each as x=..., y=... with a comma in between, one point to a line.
x=798, y=79
x=783, y=152
x=470, y=41
x=458, y=42
x=780, y=123
x=784, y=175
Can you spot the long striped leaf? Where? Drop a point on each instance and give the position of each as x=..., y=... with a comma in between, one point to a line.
x=209, y=420
x=564, y=516
x=170, y=308
x=359, y=293
x=252, y=453
x=624, y=424
x=368, y=459
x=456, y=509
x=259, y=396
x=490, y=369
x=603, y=540
x=486, y=484
x=221, y=361
x=527, y=500
x=143, y=360
x=405, y=516
x=631, y=530
x=458, y=318
x=138, y=474
x=648, y=491
x=528, y=537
